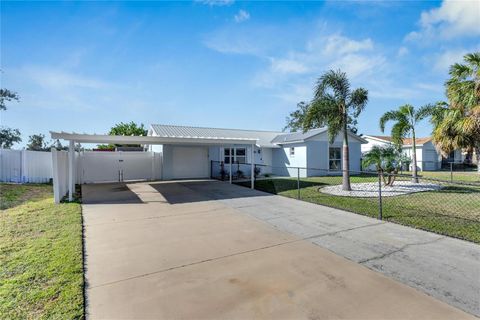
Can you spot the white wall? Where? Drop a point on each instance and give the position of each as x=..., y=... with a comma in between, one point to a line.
x=25, y=166
x=373, y=142
x=318, y=153
x=282, y=159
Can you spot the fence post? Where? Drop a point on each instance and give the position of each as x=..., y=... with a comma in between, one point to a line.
x=380, y=208
x=451, y=171
x=211, y=169
x=298, y=183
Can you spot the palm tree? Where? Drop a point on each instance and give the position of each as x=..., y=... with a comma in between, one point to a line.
x=406, y=118
x=457, y=124
x=334, y=105
x=386, y=160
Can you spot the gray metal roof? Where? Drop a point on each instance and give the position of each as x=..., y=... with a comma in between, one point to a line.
x=264, y=137
x=271, y=139
x=297, y=136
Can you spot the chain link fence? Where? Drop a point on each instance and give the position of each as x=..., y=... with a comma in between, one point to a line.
x=445, y=206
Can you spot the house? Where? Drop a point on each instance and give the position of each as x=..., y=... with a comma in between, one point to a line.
x=428, y=158
x=180, y=152
x=273, y=152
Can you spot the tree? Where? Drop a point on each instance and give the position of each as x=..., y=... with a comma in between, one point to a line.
x=128, y=129
x=334, y=105
x=125, y=129
x=296, y=119
x=406, y=118
x=456, y=125
x=36, y=142
x=7, y=95
x=9, y=136
x=386, y=160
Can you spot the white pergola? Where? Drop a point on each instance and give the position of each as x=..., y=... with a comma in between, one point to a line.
x=73, y=138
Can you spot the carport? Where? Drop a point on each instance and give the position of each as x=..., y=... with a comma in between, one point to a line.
x=64, y=165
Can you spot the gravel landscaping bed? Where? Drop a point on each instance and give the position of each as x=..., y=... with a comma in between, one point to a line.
x=370, y=189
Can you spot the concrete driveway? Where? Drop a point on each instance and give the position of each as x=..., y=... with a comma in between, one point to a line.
x=206, y=250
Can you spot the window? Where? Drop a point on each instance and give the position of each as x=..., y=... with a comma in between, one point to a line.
x=227, y=155
x=335, y=158
x=239, y=155
x=292, y=151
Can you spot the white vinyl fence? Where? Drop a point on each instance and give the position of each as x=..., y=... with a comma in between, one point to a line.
x=100, y=166
x=25, y=166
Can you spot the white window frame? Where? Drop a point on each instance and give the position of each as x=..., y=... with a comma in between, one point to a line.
x=339, y=159
x=234, y=155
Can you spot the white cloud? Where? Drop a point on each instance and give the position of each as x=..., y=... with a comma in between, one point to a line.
x=333, y=51
x=402, y=51
x=287, y=66
x=444, y=60
x=56, y=88
x=338, y=45
x=241, y=16
x=218, y=3
x=452, y=19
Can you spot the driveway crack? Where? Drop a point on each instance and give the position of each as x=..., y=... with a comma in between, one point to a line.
x=399, y=250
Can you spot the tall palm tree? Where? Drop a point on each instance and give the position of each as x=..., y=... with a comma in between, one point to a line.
x=334, y=105
x=457, y=124
x=406, y=118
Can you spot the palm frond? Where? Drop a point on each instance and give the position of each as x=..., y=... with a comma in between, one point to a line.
x=336, y=81
x=358, y=101
x=390, y=116
x=400, y=131
x=424, y=112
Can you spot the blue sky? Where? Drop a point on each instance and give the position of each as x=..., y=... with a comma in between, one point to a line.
x=84, y=66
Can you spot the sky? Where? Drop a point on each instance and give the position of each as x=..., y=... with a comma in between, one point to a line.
x=84, y=66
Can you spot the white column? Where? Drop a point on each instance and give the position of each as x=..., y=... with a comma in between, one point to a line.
x=71, y=183
x=252, y=170
x=230, y=164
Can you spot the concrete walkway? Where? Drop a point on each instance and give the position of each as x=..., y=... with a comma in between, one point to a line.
x=208, y=250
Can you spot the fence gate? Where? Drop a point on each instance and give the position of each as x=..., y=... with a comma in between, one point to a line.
x=99, y=166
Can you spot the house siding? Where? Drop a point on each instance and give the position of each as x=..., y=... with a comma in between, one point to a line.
x=282, y=160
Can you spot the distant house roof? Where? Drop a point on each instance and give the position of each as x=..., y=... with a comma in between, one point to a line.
x=406, y=141
x=418, y=141
x=264, y=138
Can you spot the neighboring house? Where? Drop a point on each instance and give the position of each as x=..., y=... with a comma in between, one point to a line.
x=275, y=152
x=427, y=156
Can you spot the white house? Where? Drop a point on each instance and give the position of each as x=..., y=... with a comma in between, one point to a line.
x=179, y=152
x=274, y=152
x=427, y=156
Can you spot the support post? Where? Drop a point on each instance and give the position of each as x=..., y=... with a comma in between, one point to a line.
x=71, y=183
x=298, y=183
x=252, y=169
x=380, y=208
x=230, y=160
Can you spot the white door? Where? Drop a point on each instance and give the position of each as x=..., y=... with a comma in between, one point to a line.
x=190, y=162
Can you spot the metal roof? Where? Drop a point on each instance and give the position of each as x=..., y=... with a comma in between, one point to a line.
x=297, y=136
x=264, y=138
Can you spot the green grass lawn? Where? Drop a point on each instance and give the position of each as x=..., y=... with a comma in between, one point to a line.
x=453, y=210
x=41, y=272
x=463, y=176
